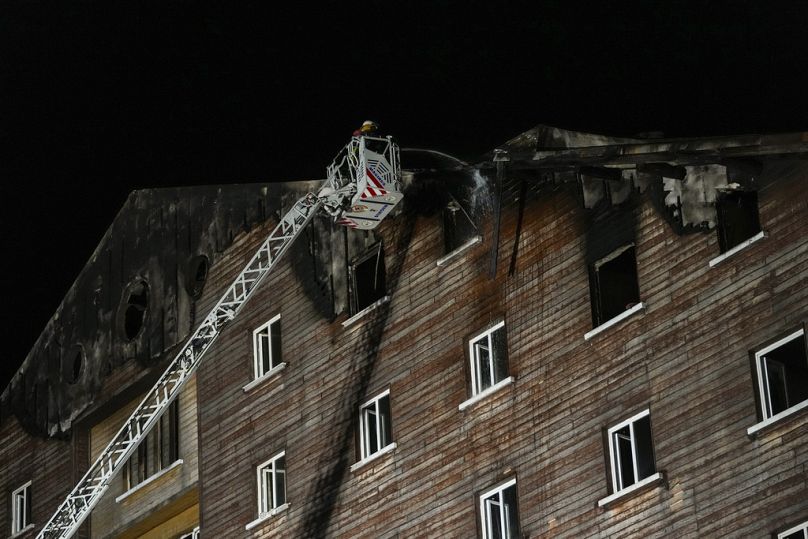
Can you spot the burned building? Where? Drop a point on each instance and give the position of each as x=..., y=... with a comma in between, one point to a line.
x=582, y=336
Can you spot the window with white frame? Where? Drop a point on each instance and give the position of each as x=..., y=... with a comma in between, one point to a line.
x=498, y=512
x=193, y=534
x=267, y=346
x=157, y=451
x=21, y=508
x=799, y=531
x=374, y=425
x=488, y=353
x=782, y=374
x=631, y=451
x=272, y=484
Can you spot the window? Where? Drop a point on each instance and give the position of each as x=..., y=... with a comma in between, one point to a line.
x=613, y=284
x=797, y=532
x=193, y=534
x=782, y=374
x=457, y=227
x=498, y=513
x=489, y=358
x=367, y=279
x=21, y=508
x=272, y=484
x=738, y=219
x=374, y=425
x=267, y=346
x=631, y=451
x=157, y=451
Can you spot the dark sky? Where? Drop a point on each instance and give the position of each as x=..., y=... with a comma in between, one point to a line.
x=100, y=98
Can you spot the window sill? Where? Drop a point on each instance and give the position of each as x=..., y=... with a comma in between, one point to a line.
x=267, y=375
x=445, y=259
x=23, y=531
x=776, y=418
x=614, y=321
x=151, y=479
x=383, y=451
x=489, y=391
x=266, y=516
x=646, y=484
x=740, y=247
x=365, y=311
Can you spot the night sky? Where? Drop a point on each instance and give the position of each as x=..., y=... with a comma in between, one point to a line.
x=100, y=98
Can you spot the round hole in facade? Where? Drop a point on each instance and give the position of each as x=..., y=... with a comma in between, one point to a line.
x=197, y=275
x=73, y=365
x=137, y=302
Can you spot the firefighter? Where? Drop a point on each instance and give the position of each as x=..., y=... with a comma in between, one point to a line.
x=369, y=128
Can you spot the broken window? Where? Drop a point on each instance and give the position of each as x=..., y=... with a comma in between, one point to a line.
x=157, y=451
x=72, y=365
x=272, y=484
x=367, y=279
x=498, y=512
x=631, y=451
x=267, y=347
x=21, y=508
x=374, y=425
x=800, y=531
x=782, y=374
x=197, y=276
x=488, y=353
x=738, y=218
x=135, y=309
x=457, y=227
x=613, y=284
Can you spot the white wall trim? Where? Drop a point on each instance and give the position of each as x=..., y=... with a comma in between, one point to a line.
x=776, y=418
x=614, y=321
x=442, y=261
x=151, y=479
x=740, y=247
x=365, y=311
x=383, y=451
x=267, y=375
x=647, y=482
x=266, y=516
x=486, y=392
x=23, y=531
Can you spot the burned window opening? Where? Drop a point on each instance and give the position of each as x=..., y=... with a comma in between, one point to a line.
x=157, y=451
x=738, y=218
x=613, y=284
x=137, y=303
x=73, y=365
x=198, y=268
x=458, y=227
x=781, y=370
x=368, y=279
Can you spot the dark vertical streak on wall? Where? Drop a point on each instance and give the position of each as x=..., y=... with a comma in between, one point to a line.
x=335, y=462
x=519, y=219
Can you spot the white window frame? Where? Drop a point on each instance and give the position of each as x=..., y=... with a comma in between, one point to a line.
x=267, y=506
x=485, y=510
x=764, y=389
x=617, y=473
x=258, y=364
x=20, y=498
x=364, y=432
x=802, y=527
x=476, y=381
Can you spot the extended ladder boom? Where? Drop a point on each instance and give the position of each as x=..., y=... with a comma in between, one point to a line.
x=336, y=196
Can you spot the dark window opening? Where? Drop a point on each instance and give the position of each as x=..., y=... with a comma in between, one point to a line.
x=783, y=375
x=74, y=363
x=368, y=280
x=738, y=218
x=157, y=451
x=614, y=285
x=197, y=276
x=457, y=227
x=135, y=313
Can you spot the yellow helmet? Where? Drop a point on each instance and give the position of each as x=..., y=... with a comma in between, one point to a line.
x=368, y=127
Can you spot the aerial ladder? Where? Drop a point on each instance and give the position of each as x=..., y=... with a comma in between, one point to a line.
x=363, y=186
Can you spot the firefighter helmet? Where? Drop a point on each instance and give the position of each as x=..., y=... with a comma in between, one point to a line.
x=368, y=127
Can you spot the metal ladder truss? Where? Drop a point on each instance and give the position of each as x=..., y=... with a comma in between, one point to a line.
x=346, y=180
